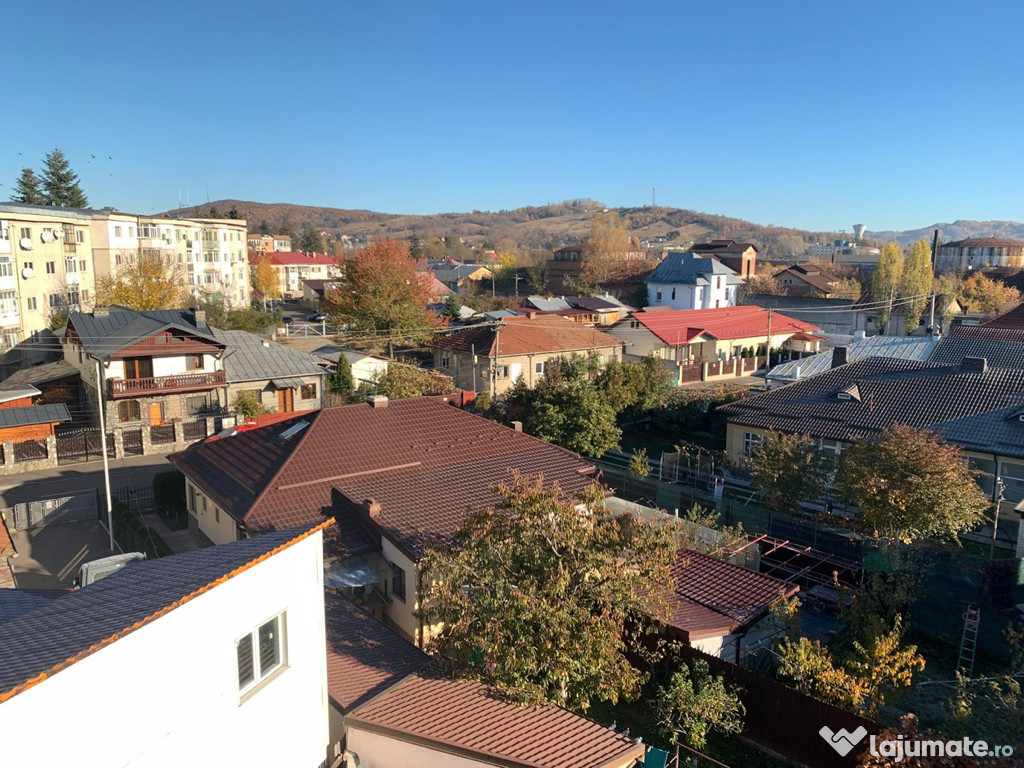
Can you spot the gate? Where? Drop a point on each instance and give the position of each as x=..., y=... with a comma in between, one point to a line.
x=138, y=498
x=132, y=441
x=82, y=445
x=63, y=509
x=194, y=430
x=163, y=433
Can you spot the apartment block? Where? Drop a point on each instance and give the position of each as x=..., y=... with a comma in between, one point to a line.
x=268, y=243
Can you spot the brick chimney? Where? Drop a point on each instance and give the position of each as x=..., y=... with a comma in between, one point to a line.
x=840, y=356
x=517, y=426
x=373, y=508
x=377, y=401
x=200, y=315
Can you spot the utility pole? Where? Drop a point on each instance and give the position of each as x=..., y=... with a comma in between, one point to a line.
x=931, y=318
x=888, y=316
x=995, y=518
x=518, y=278
x=106, y=462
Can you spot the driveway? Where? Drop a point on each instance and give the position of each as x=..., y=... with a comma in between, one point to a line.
x=49, y=556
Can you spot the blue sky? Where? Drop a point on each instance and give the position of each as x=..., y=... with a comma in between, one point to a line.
x=806, y=114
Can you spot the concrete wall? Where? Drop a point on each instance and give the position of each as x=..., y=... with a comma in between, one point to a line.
x=167, y=693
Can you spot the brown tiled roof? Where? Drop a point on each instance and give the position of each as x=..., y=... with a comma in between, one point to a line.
x=821, y=280
x=426, y=462
x=524, y=336
x=891, y=391
x=364, y=657
x=722, y=246
x=465, y=716
x=77, y=625
x=987, y=333
x=984, y=242
x=1012, y=319
x=711, y=597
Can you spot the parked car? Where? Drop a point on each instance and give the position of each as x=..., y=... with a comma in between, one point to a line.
x=288, y=320
x=317, y=317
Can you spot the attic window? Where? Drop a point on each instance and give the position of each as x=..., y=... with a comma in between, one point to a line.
x=293, y=430
x=844, y=396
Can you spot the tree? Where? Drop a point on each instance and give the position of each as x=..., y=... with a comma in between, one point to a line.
x=909, y=485
x=309, y=240
x=249, y=406
x=639, y=466
x=340, y=379
x=788, y=469
x=635, y=389
x=452, y=306
x=885, y=282
x=988, y=297
x=264, y=227
x=910, y=733
x=233, y=213
x=400, y=381
x=764, y=284
x=382, y=292
x=264, y=280
x=27, y=189
x=543, y=599
x=915, y=283
x=695, y=702
x=60, y=183
x=605, y=252
x=145, y=283
x=871, y=677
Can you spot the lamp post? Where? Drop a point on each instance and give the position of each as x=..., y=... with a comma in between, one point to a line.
x=103, y=442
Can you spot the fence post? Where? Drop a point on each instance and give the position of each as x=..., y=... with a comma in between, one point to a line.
x=210, y=425
x=118, y=443
x=179, y=433
x=704, y=371
x=8, y=453
x=51, y=449
x=147, y=443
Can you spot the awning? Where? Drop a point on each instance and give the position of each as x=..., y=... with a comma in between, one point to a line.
x=358, y=571
x=287, y=383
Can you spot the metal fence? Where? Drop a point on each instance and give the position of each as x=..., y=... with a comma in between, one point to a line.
x=161, y=434
x=82, y=445
x=138, y=498
x=62, y=509
x=132, y=441
x=194, y=430
x=30, y=450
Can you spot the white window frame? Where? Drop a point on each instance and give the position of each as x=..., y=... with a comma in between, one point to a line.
x=750, y=439
x=261, y=677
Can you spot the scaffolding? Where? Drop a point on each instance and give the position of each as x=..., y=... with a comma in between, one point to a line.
x=784, y=559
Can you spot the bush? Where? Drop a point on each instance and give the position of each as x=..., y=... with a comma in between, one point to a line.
x=249, y=407
x=133, y=535
x=169, y=497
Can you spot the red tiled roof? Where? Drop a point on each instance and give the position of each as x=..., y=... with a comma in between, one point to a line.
x=297, y=257
x=435, y=288
x=1012, y=319
x=426, y=462
x=682, y=326
x=466, y=715
x=711, y=597
x=525, y=336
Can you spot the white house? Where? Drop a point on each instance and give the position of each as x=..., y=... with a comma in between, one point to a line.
x=689, y=281
x=215, y=657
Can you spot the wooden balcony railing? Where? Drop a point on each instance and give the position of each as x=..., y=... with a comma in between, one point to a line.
x=157, y=385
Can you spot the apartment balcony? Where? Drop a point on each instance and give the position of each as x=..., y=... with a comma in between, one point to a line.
x=166, y=385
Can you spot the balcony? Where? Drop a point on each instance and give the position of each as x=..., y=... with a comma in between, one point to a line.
x=165, y=385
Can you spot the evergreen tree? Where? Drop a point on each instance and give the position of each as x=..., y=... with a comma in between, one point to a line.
x=233, y=213
x=60, y=183
x=26, y=189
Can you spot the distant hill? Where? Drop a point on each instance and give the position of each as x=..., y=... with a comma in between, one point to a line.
x=958, y=230
x=554, y=225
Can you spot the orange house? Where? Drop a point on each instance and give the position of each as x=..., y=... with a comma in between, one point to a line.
x=20, y=420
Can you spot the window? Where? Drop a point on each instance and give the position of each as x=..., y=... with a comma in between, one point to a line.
x=5, y=233
x=80, y=237
x=700, y=295
x=70, y=265
x=501, y=371
x=197, y=404
x=398, y=582
x=131, y=231
x=51, y=267
x=718, y=283
x=8, y=302
x=260, y=653
x=6, y=269
x=26, y=232
x=117, y=231
x=831, y=448
x=28, y=265
x=750, y=439
x=194, y=362
x=539, y=368
x=56, y=301
x=117, y=258
x=446, y=362
x=82, y=264
x=129, y=410
x=308, y=392
x=85, y=294
x=32, y=303
x=74, y=298
x=657, y=295
x=9, y=338
x=673, y=294
x=191, y=498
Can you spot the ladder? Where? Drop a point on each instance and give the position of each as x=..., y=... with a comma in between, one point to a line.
x=969, y=639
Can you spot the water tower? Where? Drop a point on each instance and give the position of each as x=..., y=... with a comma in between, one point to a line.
x=858, y=232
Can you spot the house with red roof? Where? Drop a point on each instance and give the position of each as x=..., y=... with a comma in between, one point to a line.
x=293, y=267
x=703, y=344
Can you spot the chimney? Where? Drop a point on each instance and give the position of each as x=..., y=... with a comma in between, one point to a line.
x=517, y=426
x=101, y=312
x=373, y=507
x=200, y=315
x=266, y=344
x=974, y=364
x=377, y=401
x=840, y=356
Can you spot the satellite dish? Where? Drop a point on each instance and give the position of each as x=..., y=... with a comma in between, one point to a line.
x=28, y=272
x=47, y=236
x=26, y=243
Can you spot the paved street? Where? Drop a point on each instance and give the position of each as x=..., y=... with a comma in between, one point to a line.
x=28, y=486
x=49, y=556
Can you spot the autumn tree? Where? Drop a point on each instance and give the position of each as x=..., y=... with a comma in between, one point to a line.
x=382, y=293
x=28, y=189
x=788, y=469
x=400, y=381
x=909, y=485
x=695, y=702
x=988, y=297
x=869, y=677
x=885, y=282
x=249, y=406
x=145, y=283
x=764, y=284
x=264, y=280
x=543, y=599
x=915, y=284
x=639, y=465
x=60, y=183
x=605, y=251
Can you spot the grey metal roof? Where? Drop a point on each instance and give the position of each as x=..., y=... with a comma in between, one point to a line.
x=1000, y=431
x=456, y=272
x=51, y=413
x=42, y=640
x=690, y=269
x=593, y=303
x=105, y=335
x=48, y=210
x=248, y=359
x=288, y=383
x=546, y=305
x=899, y=347
x=38, y=374
x=1000, y=354
x=16, y=393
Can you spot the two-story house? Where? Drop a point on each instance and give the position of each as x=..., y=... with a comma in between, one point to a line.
x=490, y=357
x=689, y=281
x=214, y=657
x=149, y=367
x=808, y=280
x=741, y=258
x=292, y=267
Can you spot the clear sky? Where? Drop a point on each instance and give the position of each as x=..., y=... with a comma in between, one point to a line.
x=809, y=114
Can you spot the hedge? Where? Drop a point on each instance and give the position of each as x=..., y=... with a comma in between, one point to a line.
x=169, y=497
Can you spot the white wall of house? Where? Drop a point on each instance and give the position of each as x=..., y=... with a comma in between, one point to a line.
x=640, y=341
x=400, y=612
x=365, y=367
x=167, y=694
x=376, y=750
x=212, y=521
x=679, y=296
